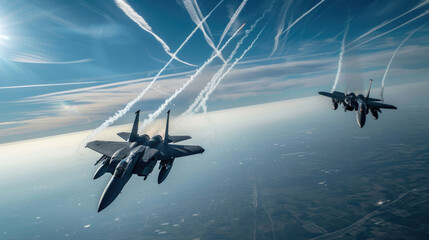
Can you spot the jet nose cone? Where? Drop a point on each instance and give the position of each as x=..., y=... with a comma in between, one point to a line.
x=101, y=206
x=105, y=200
x=110, y=193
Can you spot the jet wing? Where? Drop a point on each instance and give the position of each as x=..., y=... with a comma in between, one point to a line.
x=107, y=148
x=335, y=95
x=380, y=105
x=175, y=139
x=175, y=151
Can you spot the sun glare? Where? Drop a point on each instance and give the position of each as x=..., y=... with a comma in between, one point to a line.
x=3, y=36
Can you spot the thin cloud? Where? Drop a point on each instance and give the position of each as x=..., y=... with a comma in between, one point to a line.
x=47, y=85
x=36, y=59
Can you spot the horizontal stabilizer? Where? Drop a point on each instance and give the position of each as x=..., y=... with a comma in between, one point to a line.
x=335, y=95
x=380, y=105
x=176, y=139
x=124, y=135
x=374, y=99
x=176, y=151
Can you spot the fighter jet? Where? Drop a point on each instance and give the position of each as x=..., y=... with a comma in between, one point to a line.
x=360, y=104
x=137, y=155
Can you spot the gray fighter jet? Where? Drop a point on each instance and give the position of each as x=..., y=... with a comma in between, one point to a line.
x=362, y=105
x=138, y=155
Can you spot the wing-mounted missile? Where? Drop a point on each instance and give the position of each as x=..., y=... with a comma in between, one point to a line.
x=105, y=161
x=101, y=170
x=102, y=159
x=165, y=170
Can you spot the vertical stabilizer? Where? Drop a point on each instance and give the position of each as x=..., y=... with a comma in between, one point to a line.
x=134, y=134
x=369, y=89
x=166, y=128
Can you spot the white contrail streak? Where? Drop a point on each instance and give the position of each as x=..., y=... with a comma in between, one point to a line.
x=46, y=85
x=280, y=28
x=391, y=30
x=206, y=97
x=217, y=75
x=123, y=111
x=133, y=15
x=391, y=59
x=340, y=58
x=302, y=16
x=388, y=22
x=231, y=21
x=201, y=16
x=155, y=114
x=195, y=13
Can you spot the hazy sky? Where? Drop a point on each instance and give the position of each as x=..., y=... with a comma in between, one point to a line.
x=69, y=65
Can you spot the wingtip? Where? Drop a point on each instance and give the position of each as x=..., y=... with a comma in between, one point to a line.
x=168, y=111
x=138, y=111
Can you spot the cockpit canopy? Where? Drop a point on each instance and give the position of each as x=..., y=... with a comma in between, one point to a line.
x=155, y=140
x=120, y=169
x=143, y=138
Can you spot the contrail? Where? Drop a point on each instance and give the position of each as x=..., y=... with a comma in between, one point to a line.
x=388, y=22
x=206, y=97
x=391, y=59
x=280, y=28
x=155, y=114
x=195, y=13
x=231, y=21
x=46, y=85
x=220, y=71
x=391, y=30
x=200, y=15
x=133, y=15
x=123, y=111
x=340, y=59
x=302, y=16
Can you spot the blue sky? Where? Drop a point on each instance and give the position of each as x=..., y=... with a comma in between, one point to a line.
x=77, y=62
